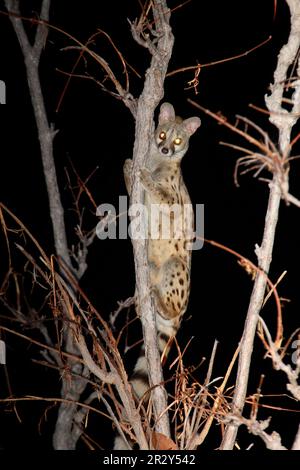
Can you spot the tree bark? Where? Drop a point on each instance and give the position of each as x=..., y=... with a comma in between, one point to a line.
x=63, y=435
x=153, y=92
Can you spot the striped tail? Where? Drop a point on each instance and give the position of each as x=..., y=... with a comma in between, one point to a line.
x=166, y=329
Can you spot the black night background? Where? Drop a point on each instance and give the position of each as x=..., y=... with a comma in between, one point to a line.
x=96, y=135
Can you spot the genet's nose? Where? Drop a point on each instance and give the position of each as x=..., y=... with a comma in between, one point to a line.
x=165, y=150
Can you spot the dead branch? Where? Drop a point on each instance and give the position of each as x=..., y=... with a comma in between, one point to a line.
x=292, y=374
x=121, y=306
x=279, y=116
x=257, y=428
x=194, y=83
x=264, y=156
x=110, y=354
x=104, y=362
x=220, y=61
x=161, y=49
x=296, y=443
x=121, y=92
x=197, y=438
x=46, y=132
x=284, y=125
x=63, y=434
x=264, y=255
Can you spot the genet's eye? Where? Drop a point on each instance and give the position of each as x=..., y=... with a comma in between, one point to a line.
x=177, y=141
x=162, y=135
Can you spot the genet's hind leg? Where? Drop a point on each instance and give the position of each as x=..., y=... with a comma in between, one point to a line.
x=172, y=292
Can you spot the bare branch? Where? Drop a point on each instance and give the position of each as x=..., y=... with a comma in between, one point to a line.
x=198, y=438
x=284, y=121
x=45, y=131
x=63, y=436
x=292, y=374
x=152, y=93
x=292, y=200
x=296, y=443
x=280, y=117
x=272, y=441
x=41, y=31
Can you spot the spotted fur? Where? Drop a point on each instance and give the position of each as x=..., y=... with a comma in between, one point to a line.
x=169, y=258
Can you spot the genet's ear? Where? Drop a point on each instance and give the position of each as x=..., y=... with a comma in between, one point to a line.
x=191, y=124
x=166, y=113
